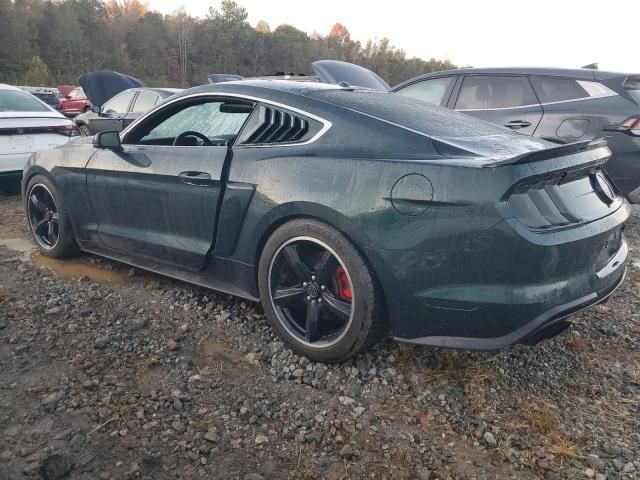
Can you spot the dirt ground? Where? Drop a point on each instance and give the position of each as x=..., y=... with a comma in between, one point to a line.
x=111, y=373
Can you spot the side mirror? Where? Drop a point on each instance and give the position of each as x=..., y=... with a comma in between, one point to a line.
x=96, y=109
x=109, y=140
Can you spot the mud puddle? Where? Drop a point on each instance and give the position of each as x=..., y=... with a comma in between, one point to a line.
x=67, y=269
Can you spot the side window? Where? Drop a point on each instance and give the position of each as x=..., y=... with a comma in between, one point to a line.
x=431, y=91
x=145, y=102
x=119, y=103
x=484, y=91
x=77, y=93
x=218, y=121
x=551, y=89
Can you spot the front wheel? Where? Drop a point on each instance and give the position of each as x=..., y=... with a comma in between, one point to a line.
x=84, y=130
x=47, y=219
x=318, y=293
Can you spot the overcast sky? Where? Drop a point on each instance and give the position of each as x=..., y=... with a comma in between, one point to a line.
x=558, y=33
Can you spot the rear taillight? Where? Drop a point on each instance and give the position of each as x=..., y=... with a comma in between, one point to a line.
x=630, y=126
x=68, y=130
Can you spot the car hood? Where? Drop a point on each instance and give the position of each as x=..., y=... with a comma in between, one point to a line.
x=100, y=86
x=334, y=71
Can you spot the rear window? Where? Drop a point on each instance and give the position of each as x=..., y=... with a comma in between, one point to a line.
x=431, y=90
x=551, y=89
x=18, y=101
x=483, y=92
x=427, y=119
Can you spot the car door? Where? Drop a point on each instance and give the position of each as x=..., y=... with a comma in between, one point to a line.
x=113, y=113
x=158, y=196
x=506, y=100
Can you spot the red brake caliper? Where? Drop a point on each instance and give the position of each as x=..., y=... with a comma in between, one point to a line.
x=344, y=288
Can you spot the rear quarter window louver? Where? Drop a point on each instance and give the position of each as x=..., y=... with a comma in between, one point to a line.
x=272, y=126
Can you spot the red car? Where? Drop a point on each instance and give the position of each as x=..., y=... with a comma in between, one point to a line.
x=74, y=100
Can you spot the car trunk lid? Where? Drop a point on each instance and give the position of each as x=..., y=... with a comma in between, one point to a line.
x=335, y=71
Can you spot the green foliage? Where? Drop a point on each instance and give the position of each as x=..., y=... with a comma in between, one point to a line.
x=38, y=74
x=71, y=37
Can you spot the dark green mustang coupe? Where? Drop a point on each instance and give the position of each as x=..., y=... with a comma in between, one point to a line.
x=351, y=214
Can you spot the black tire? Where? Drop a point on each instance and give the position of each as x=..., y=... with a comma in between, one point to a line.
x=86, y=109
x=84, y=130
x=65, y=244
x=367, y=322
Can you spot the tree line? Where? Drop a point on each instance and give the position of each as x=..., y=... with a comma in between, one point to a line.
x=53, y=42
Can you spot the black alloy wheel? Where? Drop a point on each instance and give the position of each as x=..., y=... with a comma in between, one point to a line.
x=44, y=218
x=311, y=292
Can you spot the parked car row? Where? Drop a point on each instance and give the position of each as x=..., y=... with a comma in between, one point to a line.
x=28, y=125
x=562, y=106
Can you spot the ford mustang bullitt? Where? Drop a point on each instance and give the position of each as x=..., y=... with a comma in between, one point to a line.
x=351, y=214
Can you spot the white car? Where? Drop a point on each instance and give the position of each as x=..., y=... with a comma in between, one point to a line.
x=28, y=125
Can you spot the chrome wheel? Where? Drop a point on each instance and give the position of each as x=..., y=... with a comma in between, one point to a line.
x=311, y=292
x=44, y=218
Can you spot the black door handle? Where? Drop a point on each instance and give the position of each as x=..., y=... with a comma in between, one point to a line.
x=200, y=179
x=517, y=124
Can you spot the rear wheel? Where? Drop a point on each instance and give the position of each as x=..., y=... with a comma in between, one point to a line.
x=47, y=219
x=84, y=130
x=318, y=292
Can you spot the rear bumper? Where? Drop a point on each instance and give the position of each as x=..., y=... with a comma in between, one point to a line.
x=545, y=325
x=13, y=164
x=507, y=285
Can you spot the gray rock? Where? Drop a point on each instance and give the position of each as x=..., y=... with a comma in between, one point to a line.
x=346, y=451
x=423, y=473
x=178, y=426
x=134, y=324
x=212, y=435
x=489, y=439
x=253, y=476
x=55, y=466
x=102, y=342
x=172, y=344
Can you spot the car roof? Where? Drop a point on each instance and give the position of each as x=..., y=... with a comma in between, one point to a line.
x=4, y=86
x=579, y=73
x=265, y=87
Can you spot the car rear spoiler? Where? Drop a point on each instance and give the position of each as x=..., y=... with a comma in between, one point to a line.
x=562, y=151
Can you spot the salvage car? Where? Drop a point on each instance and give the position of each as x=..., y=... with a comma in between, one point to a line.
x=50, y=96
x=561, y=106
x=351, y=214
x=28, y=125
x=74, y=102
x=119, y=111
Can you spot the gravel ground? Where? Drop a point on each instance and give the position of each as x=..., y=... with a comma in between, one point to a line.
x=111, y=373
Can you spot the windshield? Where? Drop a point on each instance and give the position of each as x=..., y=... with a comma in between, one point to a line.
x=17, y=101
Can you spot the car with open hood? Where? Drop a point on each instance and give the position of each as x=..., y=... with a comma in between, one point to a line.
x=122, y=109
x=28, y=125
x=351, y=214
x=559, y=105
x=325, y=71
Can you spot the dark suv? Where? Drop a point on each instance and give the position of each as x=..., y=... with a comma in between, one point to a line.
x=562, y=106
